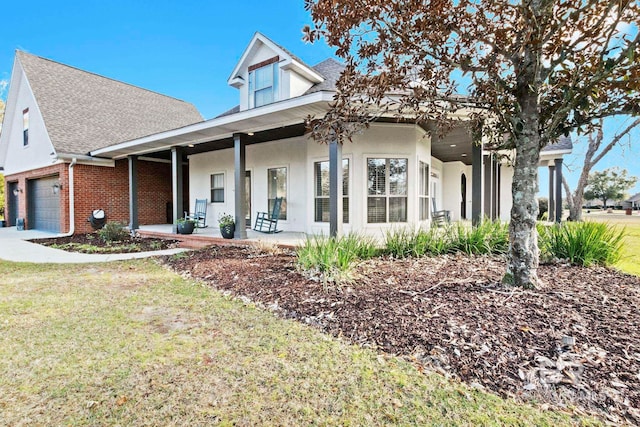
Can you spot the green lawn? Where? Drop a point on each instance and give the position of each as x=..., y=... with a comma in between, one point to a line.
x=630, y=262
x=130, y=343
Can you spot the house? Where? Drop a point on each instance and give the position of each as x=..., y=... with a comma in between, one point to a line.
x=391, y=174
x=55, y=116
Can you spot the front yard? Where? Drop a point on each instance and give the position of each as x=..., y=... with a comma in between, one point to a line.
x=130, y=343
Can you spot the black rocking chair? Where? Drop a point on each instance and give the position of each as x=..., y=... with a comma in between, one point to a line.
x=199, y=214
x=268, y=222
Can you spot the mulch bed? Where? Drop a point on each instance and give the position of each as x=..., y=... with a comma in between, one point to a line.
x=81, y=242
x=573, y=342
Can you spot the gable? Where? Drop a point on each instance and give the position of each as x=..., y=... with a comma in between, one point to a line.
x=83, y=111
x=15, y=156
x=290, y=77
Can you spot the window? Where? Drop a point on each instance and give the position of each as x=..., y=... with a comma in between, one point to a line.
x=25, y=127
x=423, y=195
x=263, y=84
x=387, y=190
x=322, y=191
x=217, y=188
x=277, y=187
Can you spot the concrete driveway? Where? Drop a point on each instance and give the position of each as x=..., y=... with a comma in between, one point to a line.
x=15, y=246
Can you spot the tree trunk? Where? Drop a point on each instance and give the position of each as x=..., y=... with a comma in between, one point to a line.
x=522, y=267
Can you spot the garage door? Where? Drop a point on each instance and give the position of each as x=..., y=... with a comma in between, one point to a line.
x=44, y=205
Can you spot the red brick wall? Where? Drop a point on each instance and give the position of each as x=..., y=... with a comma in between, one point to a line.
x=22, y=178
x=100, y=187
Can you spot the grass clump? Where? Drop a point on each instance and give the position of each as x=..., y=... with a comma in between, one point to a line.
x=490, y=237
x=334, y=257
x=582, y=243
x=405, y=242
x=113, y=231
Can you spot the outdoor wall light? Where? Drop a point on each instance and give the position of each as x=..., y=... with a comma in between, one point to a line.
x=17, y=191
x=56, y=187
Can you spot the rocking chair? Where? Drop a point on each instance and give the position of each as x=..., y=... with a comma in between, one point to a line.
x=199, y=214
x=439, y=217
x=268, y=222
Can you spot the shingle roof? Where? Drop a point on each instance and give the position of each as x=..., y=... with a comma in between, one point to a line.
x=330, y=69
x=84, y=111
x=564, y=143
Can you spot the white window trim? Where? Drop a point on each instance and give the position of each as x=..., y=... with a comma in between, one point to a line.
x=275, y=85
x=288, y=168
x=365, y=176
x=313, y=192
x=224, y=186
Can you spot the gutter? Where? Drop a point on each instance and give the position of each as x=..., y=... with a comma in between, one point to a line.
x=72, y=205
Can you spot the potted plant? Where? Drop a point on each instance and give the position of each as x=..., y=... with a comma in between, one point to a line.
x=186, y=226
x=227, y=225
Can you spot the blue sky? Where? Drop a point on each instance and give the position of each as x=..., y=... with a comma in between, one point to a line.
x=182, y=49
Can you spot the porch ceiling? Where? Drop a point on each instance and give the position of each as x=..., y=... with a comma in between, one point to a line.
x=454, y=146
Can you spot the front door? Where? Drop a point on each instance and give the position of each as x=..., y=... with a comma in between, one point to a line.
x=247, y=195
x=13, y=202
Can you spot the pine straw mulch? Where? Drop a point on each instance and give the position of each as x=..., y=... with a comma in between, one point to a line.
x=573, y=342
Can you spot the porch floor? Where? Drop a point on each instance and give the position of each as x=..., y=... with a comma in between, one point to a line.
x=211, y=235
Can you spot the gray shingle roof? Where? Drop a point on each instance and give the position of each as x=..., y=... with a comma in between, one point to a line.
x=84, y=111
x=330, y=69
x=564, y=143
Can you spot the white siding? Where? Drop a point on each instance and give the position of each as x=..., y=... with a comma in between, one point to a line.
x=451, y=180
x=290, y=153
x=37, y=153
x=297, y=85
x=506, y=178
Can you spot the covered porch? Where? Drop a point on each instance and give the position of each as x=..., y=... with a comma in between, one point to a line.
x=211, y=235
x=472, y=180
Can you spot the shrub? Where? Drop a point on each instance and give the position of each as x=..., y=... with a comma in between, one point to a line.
x=581, y=243
x=490, y=237
x=113, y=231
x=405, y=242
x=335, y=257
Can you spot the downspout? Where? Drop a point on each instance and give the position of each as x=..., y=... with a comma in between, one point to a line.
x=72, y=216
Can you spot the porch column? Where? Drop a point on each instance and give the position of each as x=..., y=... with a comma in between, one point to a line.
x=498, y=192
x=239, y=145
x=476, y=177
x=558, y=200
x=552, y=203
x=488, y=175
x=133, y=193
x=335, y=189
x=176, y=185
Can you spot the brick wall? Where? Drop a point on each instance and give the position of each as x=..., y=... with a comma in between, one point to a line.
x=22, y=178
x=99, y=187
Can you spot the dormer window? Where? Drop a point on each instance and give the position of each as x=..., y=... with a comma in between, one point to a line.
x=263, y=83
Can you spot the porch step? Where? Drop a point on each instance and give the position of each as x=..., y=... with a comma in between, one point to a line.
x=189, y=241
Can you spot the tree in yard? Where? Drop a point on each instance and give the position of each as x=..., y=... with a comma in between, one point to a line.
x=610, y=184
x=595, y=152
x=536, y=69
